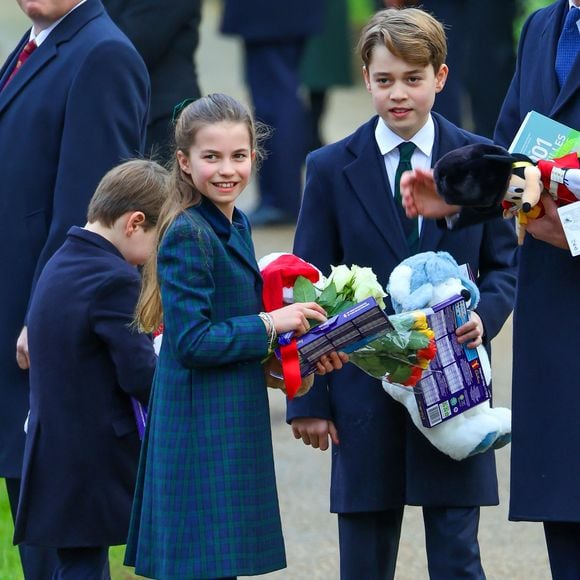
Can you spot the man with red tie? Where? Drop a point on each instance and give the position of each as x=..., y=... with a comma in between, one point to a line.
x=73, y=103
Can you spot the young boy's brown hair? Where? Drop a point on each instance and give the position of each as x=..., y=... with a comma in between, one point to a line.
x=135, y=185
x=410, y=34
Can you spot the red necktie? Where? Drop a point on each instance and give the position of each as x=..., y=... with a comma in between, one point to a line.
x=28, y=49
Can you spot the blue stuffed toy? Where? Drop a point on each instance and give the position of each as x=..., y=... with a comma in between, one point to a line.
x=421, y=281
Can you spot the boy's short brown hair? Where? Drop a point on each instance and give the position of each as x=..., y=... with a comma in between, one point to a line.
x=409, y=33
x=136, y=185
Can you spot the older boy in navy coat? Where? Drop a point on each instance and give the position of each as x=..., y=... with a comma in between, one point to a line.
x=82, y=447
x=380, y=461
x=75, y=108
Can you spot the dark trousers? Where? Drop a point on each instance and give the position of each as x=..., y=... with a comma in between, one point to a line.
x=85, y=563
x=38, y=563
x=272, y=74
x=563, y=542
x=369, y=543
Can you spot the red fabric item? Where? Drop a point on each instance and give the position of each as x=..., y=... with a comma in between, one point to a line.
x=282, y=273
x=545, y=166
x=291, y=368
x=28, y=49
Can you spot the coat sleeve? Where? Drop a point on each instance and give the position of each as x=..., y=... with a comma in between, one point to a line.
x=316, y=241
x=105, y=123
x=186, y=265
x=132, y=352
x=497, y=274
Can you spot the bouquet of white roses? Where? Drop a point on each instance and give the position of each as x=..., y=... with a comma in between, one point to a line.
x=399, y=354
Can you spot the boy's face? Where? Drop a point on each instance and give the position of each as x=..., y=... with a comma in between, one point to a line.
x=137, y=247
x=403, y=94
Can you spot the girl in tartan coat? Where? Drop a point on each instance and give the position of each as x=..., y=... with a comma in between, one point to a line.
x=206, y=504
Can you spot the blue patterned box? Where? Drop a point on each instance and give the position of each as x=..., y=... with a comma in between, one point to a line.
x=346, y=332
x=454, y=381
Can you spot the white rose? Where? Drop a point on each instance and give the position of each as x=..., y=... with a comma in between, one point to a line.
x=365, y=285
x=341, y=276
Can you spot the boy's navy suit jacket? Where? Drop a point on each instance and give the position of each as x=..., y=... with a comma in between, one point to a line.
x=545, y=469
x=76, y=108
x=349, y=217
x=82, y=447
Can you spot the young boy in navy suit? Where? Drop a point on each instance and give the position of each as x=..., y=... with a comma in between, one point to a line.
x=351, y=214
x=86, y=361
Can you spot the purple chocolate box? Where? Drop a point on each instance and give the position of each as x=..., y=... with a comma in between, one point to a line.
x=346, y=331
x=454, y=381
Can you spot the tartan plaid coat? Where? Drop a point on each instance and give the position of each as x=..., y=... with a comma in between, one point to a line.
x=206, y=504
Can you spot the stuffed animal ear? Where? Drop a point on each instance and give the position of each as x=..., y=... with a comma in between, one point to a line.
x=474, y=175
x=399, y=286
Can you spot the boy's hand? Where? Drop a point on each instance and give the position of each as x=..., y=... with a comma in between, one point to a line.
x=315, y=432
x=471, y=332
x=331, y=362
x=419, y=196
x=548, y=228
x=22, y=356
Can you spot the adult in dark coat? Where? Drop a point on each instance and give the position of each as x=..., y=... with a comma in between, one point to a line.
x=545, y=468
x=82, y=447
x=274, y=36
x=74, y=109
x=167, y=39
x=382, y=462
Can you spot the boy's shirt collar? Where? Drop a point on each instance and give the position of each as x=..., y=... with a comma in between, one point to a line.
x=424, y=139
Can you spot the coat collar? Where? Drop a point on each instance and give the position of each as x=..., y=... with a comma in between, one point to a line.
x=47, y=51
x=368, y=179
x=94, y=239
x=236, y=235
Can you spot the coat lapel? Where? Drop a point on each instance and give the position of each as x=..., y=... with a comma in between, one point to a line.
x=549, y=42
x=236, y=237
x=48, y=50
x=368, y=178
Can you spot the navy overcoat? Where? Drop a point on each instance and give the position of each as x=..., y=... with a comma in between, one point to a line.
x=264, y=20
x=349, y=217
x=206, y=504
x=545, y=472
x=82, y=447
x=76, y=108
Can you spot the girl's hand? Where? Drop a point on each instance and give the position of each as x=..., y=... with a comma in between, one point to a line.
x=295, y=317
x=471, y=331
x=331, y=362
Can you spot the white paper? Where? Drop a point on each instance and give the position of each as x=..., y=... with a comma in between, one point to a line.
x=570, y=218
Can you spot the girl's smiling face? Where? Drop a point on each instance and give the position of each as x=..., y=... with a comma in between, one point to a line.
x=220, y=163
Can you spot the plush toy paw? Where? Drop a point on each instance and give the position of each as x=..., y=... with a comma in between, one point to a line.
x=474, y=431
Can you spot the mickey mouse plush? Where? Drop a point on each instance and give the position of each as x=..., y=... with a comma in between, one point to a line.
x=420, y=281
x=485, y=175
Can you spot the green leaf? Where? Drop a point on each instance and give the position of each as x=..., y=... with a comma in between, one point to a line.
x=304, y=290
x=328, y=297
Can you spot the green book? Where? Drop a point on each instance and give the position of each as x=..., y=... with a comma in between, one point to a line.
x=540, y=137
